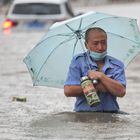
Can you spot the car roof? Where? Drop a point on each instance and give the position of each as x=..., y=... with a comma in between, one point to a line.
x=39, y=1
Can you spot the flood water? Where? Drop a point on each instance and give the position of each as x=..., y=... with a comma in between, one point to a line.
x=47, y=113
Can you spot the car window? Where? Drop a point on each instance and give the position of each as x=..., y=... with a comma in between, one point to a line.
x=37, y=9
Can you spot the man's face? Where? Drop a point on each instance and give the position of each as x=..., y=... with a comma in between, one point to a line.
x=97, y=41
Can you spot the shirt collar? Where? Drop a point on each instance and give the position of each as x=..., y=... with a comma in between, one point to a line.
x=107, y=65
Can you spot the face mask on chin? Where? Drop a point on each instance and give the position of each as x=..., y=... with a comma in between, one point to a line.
x=98, y=56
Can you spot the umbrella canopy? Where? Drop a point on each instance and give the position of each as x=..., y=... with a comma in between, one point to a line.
x=49, y=60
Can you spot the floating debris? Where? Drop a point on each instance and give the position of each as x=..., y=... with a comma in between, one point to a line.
x=19, y=99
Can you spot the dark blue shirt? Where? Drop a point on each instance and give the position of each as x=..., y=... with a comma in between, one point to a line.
x=79, y=67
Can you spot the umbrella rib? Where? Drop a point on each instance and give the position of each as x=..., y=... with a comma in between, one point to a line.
x=90, y=25
x=70, y=34
x=70, y=28
x=74, y=46
x=69, y=39
x=77, y=32
x=123, y=37
x=80, y=24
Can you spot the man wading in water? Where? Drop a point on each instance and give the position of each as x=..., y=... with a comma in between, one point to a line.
x=107, y=70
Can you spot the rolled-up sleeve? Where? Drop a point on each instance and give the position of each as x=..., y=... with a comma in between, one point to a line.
x=119, y=75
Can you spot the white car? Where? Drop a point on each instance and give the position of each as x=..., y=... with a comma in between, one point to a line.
x=38, y=14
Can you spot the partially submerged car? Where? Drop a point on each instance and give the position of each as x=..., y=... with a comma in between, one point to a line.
x=38, y=14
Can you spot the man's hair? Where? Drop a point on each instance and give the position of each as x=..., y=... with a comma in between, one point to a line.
x=93, y=29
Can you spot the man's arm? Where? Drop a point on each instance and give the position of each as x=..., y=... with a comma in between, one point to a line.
x=113, y=86
x=73, y=91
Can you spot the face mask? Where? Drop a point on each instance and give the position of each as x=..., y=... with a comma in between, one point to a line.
x=98, y=56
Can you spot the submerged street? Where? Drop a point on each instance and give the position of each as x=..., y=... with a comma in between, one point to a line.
x=47, y=113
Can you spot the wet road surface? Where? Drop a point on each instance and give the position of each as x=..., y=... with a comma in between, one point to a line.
x=47, y=113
